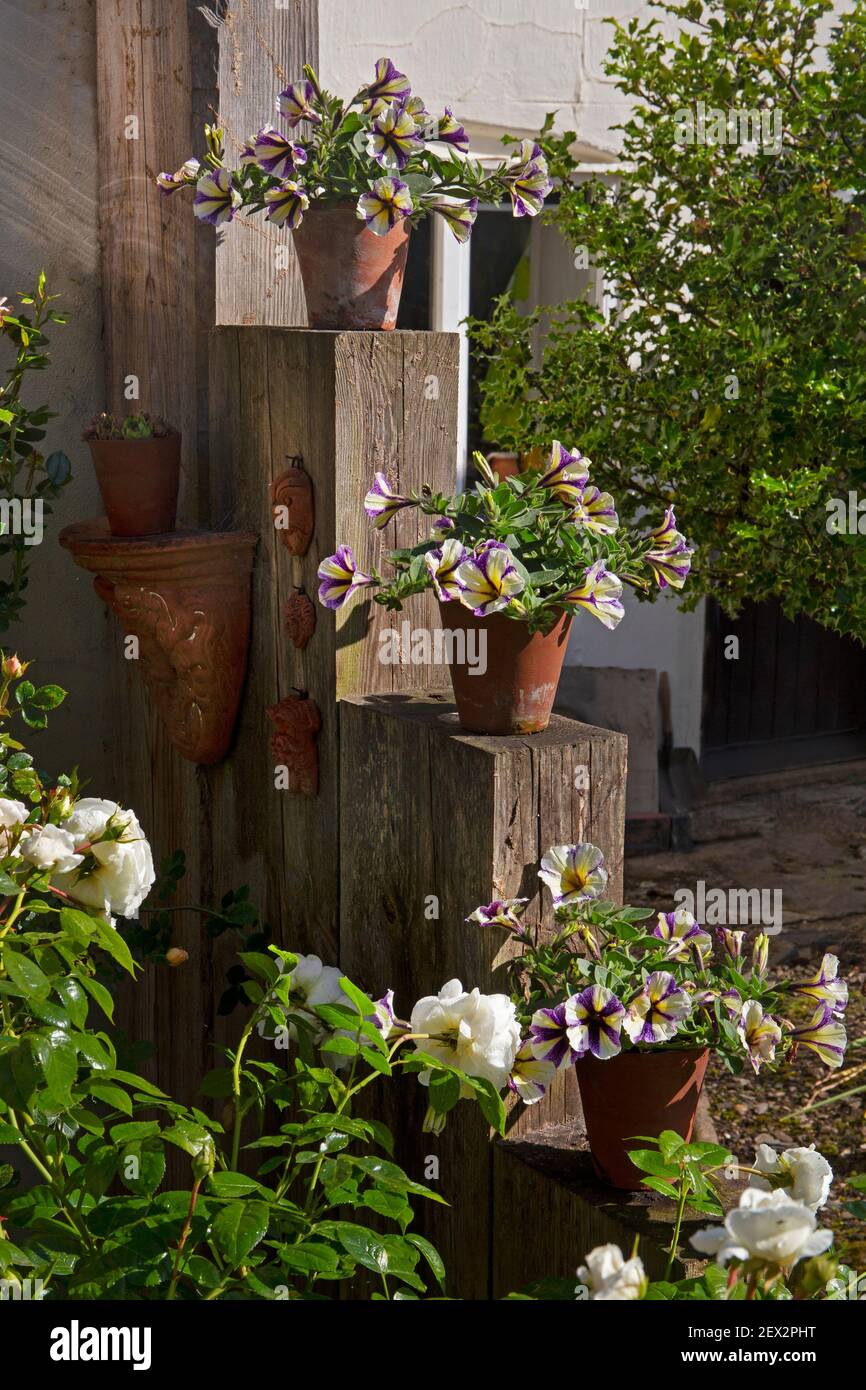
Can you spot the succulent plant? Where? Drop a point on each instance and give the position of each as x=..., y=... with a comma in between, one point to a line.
x=105, y=425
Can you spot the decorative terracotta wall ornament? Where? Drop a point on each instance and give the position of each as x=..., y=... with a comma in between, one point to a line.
x=293, y=508
x=186, y=597
x=297, y=723
x=300, y=616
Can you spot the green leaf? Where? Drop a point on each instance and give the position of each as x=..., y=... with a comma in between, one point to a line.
x=237, y=1230
x=232, y=1185
x=444, y=1092
x=649, y=1161
x=431, y=1255
x=98, y=992
x=61, y=1069
x=135, y=1129
x=26, y=974
x=110, y=1095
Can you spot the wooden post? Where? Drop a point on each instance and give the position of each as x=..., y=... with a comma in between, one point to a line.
x=441, y=821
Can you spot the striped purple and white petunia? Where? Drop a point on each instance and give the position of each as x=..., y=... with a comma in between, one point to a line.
x=295, y=104
x=731, y=943
x=528, y=181
x=669, y=557
x=387, y=85
x=181, y=178
x=530, y=1076
x=276, y=153
x=502, y=912
x=386, y=204
x=566, y=474
x=655, y=1014
x=489, y=579
x=442, y=565
x=760, y=1033
x=340, y=578
x=683, y=935
x=382, y=502
x=216, y=198
x=824, y=1035
x=287, y=204
x=600, y=594
x=451, y=132
x=824, y=986
x=548, y=1037
x=596, y=512
x=593, y=1020
x=460, y=217
x=574, y=873
x=393, y=138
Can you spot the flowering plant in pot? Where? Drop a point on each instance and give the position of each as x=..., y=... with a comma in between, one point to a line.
x=512, y=562
x=639, y=1007
x=137, y=462
x=350, y=180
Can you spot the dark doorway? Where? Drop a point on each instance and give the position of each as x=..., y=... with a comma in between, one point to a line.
x=795, y=695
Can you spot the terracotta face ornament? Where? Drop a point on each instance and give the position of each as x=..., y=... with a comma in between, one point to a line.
x=293, y=509
x=297, y=723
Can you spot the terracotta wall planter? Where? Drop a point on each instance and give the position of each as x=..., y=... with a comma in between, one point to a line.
x=186, y=598
x=637, y=1093
x=504, y=465
x=139, y=481
x=515, y=694
x=352, y=278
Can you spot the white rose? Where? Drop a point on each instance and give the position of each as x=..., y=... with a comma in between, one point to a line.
x=805, y=1174
x=313, y=983
x=12, y=814
x=124, y=873
x=766, y=1226
x=51, y=847
x=612, y=1278
x=477, y=1033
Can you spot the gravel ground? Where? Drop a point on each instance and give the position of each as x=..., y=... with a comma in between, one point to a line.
x=805, y=834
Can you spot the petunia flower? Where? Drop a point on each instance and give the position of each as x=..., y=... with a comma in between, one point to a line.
x=528, y=181
x=731, y=943
x=460, y=217
x=566, y=474
x=574, y=873
x=654, y=1015
x=287, y=204
x=489, y=580
x=276, y=153
x=825, y=1035
x=760, y=1033
x=294, y=103
x=340, y=578
x=761, y=955
x=216, y=199
x=669, y=557
x=824, y=986
x=600, y=594
x=683, y=934
x=502, y=912
x=382, y=502
x=451, y=132
x=393, y=138
x=593, y=1021
x=530, y=1076
x=442, y=565
x=548, y=1037
x=181, y=178
x=387, y=203
x=387, y=85
x=732, y=1002
x=596, y=512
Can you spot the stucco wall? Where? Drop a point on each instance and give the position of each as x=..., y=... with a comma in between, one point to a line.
x=48, y=189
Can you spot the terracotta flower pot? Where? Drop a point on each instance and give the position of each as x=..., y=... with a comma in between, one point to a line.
x=139, y=481
x=352, y=278
x=514, y=692
x=637, y=1093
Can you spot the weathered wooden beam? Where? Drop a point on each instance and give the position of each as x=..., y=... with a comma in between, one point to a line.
x=262, y=48
x=435, y=822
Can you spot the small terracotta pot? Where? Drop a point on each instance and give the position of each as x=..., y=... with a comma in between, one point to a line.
x=515, y=693
x=139, y=481
x=504, y=465
x=352, y=278
x=637, y=1093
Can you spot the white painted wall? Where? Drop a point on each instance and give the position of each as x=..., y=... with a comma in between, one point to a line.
x=48, y=219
